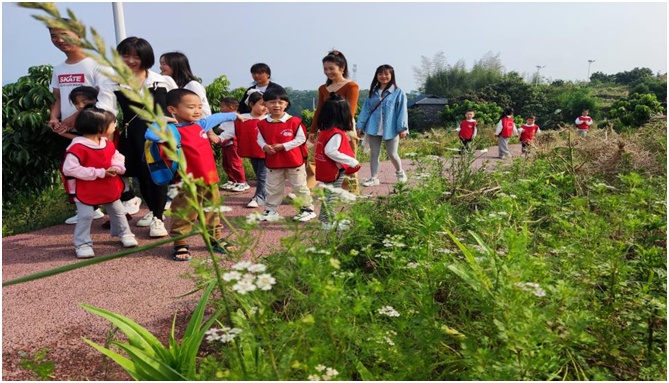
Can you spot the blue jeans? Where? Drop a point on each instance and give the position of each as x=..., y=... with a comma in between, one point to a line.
x=260, y=170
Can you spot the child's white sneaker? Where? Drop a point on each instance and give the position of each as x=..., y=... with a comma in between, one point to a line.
x=85, y=251
x=370, y=182
x=132, y=205
x=253, y=203
x=269, y=216
x=129, y=241
x=146, y=220
x=401, y=176
x=227, y=186
x=240, y=187
x=157, y=228
x=305, y=215
x=97, y=214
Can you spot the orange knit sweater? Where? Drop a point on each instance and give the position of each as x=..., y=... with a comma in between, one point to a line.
x=350, y=91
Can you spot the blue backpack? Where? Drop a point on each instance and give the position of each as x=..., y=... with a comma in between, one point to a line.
x=162, y=170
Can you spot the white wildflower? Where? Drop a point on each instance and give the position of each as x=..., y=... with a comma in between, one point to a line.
x=444, y=251
x=243, y=265
x=411, y=154
x=219, y=209
x=253, y=218
x=265, y=281
x=248, y=278
x=232, y=276
x=331, y=372
x=534, y=288
x=257, y=268
x=389, y=311
x=320, y=368
x=389, y=341
x=412, y=265
x=503, y=213
x=244, y=287
x=483, y=150
x=224, y=335
x=513, y=196
x=314, y=378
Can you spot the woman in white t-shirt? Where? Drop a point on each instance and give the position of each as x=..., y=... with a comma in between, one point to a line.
x=175, y=65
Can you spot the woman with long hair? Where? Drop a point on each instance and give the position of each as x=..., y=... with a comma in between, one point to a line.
x=176, y=65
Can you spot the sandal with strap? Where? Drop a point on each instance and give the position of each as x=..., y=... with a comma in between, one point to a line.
x=181, y=253
x=222, y=246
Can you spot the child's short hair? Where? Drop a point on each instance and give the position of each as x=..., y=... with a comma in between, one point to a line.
x=261, y=68
x=470, y=110
x=508, y=112
x=533, y=117
x=140, y=47
x=586, y=110
x=87, y=92
x=93, y=120
x=253, y=98
x=174, y=96
x=276, y=94
x=230, y=101
x=335, y=112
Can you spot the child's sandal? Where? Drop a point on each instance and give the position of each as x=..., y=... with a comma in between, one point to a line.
x=222, y=246
x=181, y=253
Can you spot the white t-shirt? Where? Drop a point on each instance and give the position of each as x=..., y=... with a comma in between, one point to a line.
x=202, y=92
x=66, y=77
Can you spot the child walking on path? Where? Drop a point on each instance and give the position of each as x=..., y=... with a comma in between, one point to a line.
x=230, y=160
x=505, y=129
x=282, y=137
x=583, y=123
x=467, y=130
x=333, y=153
x=186, y=107
x=527, y=133
x=247, y=136
x=91, y=168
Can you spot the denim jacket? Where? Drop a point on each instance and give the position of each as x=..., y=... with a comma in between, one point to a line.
x=392, y=113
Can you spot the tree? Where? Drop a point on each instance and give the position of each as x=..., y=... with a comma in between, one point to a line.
x=220, y=88
x=486, y=112
x=429, y=67
x=636, y=109
x=636, y=74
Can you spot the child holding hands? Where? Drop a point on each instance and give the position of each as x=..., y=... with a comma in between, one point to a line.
x=527, y=132
x=467, y=130
x=230, y=160
x=505, y=129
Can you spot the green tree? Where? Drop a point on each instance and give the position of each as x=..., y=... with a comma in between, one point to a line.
x=636, y=74
x=31, y=152
x=486, y=112
x=636, y=109
x=220, y=88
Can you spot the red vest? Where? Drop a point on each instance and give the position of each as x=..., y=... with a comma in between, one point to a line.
x=247, y=139
x=326, y=168
x=101, y=190
x=199, y=155
x=467, y=129
x=528, y=132
x=281, y=133
x=507, y=127
x=583, y=124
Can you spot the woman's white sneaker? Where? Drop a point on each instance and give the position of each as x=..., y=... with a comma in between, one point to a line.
x=132, y=205
x=370, y=182
x=97, y=214
x=146, y=220
x=253, y=203
x=401, y=176
x=129, y=241
x=85, y=251
x=157, y=228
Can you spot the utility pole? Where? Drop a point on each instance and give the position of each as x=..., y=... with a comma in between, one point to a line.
x=119, y=21
x=589, y=63
x=538, y=79
x=355, y=72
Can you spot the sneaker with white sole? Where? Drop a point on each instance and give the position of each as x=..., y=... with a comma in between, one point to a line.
x=371, y=182
x=132, y=205
x=129, y=241
x=401, y=176
x=227, y=186
x=146, y=220
x=240, y=187
x=253, y=203
x=305, y=215
x=85, y=251
x=269, y=216
x=157, y=228
x=97, y=214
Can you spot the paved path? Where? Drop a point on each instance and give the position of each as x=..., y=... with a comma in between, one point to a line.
x=143, y=286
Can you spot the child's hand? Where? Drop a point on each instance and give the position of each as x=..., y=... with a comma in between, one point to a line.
x=111, y=172
x=403, y=134
x=278, y=147
x=54, y=124
x=171, y=119
x=215, y=139
x=312, y=138
x=241, y=118
x=268, y=149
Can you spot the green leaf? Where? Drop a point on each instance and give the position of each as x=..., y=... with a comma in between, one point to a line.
x=363, y=371
x=155, y=369
x=125, y=363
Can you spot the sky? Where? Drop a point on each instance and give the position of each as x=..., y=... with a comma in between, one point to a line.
x=292, y=38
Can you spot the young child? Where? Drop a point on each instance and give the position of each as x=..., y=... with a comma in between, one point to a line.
x=247, y=135
x=186, y=107
x=282, y=137
x=583, y=123
x=505, y=129
x=527, y=133
x=333, y=154
x=91, y=168
x=230, y=160
x=467, y=130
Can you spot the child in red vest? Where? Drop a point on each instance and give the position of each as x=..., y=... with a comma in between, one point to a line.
x=505, y=129
x=246, y=134
x=467, y=130
x=186, y=107
x=282, y=137
x=90, y=171
x=583, y=123
x=527, y=132
x=333, y=154
x=230, y=160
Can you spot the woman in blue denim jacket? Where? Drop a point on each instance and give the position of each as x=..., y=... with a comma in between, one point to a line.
x=384, y=118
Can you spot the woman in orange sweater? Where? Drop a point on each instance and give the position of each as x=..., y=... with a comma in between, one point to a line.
x=335, y=68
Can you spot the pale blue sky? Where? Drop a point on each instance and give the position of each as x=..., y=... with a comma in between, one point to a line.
x=227, y=38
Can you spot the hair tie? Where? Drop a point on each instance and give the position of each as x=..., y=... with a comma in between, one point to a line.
x=248, y=95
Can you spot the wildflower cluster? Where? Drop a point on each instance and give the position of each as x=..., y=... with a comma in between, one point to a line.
x=393, y=241
x=534, y=288
x=317, y=251
x=388, y=311
x=324, y=373
x=223, y=335
x=217, y=209
x=250, y=281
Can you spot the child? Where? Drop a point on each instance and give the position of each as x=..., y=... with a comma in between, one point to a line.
x=583, y=123
x=505, y=129
x=333, y=154
x=247, y=134
x=91, y=168
x=230, y=160
x=467, y=130
x=282, y=137
x=527, y=133
x=186, y=107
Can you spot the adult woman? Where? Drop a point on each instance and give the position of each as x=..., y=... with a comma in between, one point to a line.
x=176, y=65
x=261, y=74
x=335, y=68
x=138, y=55
x=384, y=118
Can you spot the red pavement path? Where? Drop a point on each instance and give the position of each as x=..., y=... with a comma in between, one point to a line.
x=143, y=286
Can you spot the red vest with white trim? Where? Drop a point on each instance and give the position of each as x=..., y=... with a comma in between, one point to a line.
x=507, y=127
x=583, y=124
x=528, y=132
x=281, y=133
x=101, y=190
x=247, y=139
x=467, y=129
x=327, y=169
x=198, y=153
